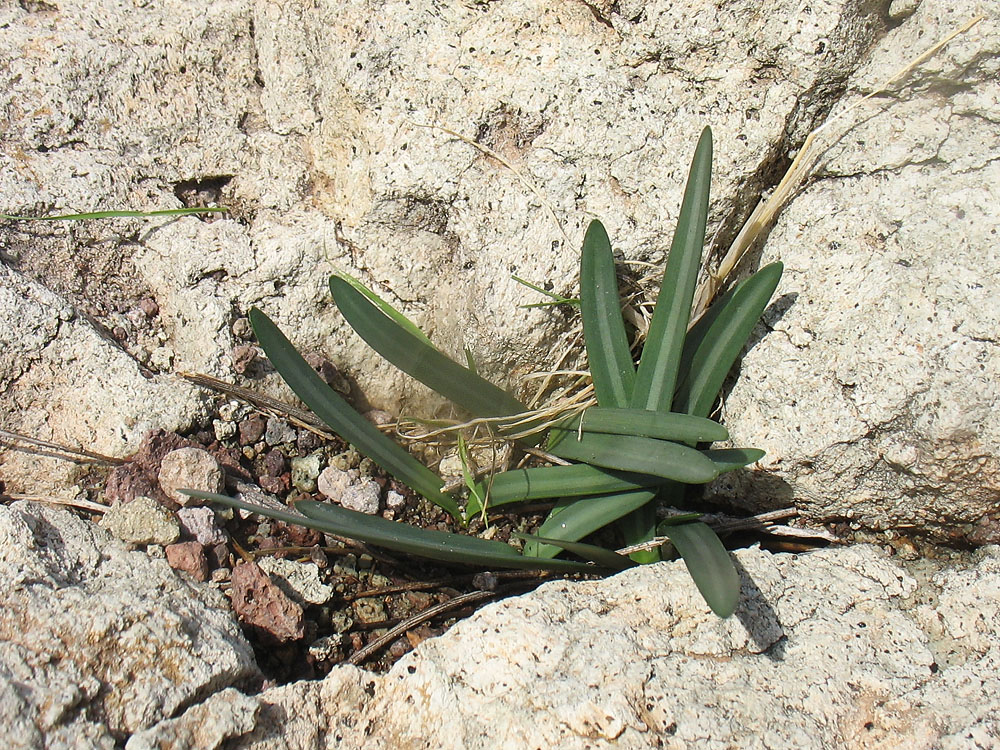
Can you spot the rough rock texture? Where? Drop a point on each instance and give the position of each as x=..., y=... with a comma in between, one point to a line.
x=142, y=521
x=876, y=391
x=97, y=642
x=837, y=648
x=189, y=468
x=306, y=119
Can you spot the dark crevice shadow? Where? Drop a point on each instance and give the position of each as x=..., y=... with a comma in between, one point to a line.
x=758, y=617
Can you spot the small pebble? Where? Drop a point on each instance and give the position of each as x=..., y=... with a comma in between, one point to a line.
x=275, y=463
x=394, y=501
x=149, y=307
x=242, y=328
x=278, y=432
x=223, y=430
x=308, y=441
x=242, y=357
x=275, y=485
x=191, y=468
x=142, y=521
x=200, y=523
x=252, y=429
x=305, y=470
x=188, y=557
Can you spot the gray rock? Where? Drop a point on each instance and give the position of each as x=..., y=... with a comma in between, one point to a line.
x=97, y=642
x=278, y=432
x=206, y=726
x=193, y=469
x=835, y=648
x=348, y=490
x=300, y=581
x=201, y=525
x=142, y=521
x=305, y=470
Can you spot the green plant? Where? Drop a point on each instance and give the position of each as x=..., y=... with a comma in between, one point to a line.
x=642, y=442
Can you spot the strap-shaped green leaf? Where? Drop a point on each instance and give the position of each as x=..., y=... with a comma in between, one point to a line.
x=716, y=349
x=728, y=459
x=385, y=307
x=709, y=564
x=606, y=558
x=419, y=360
x=656, y=377
x=653, y=424
x=342, y=418
x=518, y=485
x=603, y=328
x=627, y=453
x=574, y=518
x=637, y=527
x=400, y=537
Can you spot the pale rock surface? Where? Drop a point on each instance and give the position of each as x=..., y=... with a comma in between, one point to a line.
x=202, y=525
x=836, y=648
x=347, y=489
x=97, y=642
x=297, y=579
x=305, y=118
x=192, y=469
x=876, y=389
x=142, y=521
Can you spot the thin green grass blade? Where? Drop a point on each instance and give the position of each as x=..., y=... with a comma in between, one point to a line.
x=728, y=459
x=400, y=537
x=627, y=453
x=121, y=214
x=544, y=482
x=343, y=419
x=709, y=564
x=652, y=424
x=574, y=518
x=606, y=558
x=603, y=327
x=723, y=341
x=656, y=378
x=391, y=312
x=436, y=545
x=420, y=360
x=556, y=299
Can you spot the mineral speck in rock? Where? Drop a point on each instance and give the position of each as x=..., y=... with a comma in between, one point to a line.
x=190, y=558
x=258, y=602
x=191, y=468
x=142, y=521
x=200, y=524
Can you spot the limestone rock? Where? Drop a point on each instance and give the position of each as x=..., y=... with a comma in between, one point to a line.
x=834, y=648
x=207, y=726
x=97, y=642
x=876, y=389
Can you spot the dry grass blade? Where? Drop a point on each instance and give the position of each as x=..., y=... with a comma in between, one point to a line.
x=35, y=446
x=363, y=654
x=71, y=502
x=300, y=417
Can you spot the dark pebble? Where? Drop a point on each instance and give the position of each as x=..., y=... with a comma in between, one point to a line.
x=307, y=441
x=275, y=463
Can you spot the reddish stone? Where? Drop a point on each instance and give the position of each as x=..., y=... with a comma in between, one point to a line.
x=275, y=485
x=259, y=603
x=275, y=464
x=252, y=429
x=188, y=557
x=298, y=536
